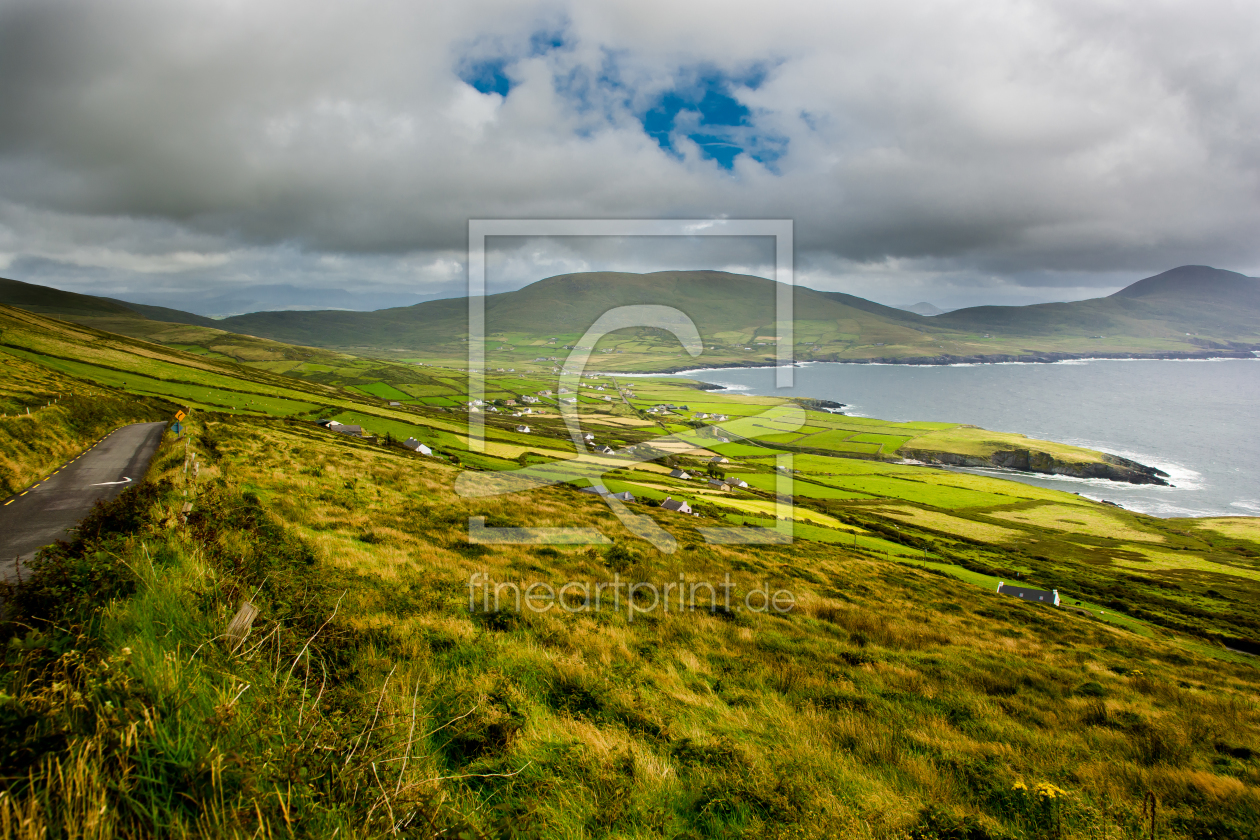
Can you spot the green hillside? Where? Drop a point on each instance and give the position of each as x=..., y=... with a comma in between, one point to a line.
x=49, y=301
x=1189, y=311
x=1196, y=309
x=1191, y=301
x=374, y=693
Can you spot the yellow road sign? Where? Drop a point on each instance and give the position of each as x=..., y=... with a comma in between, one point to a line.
x=179, y=415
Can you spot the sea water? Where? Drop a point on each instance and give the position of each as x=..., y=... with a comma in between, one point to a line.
x=1198, y=421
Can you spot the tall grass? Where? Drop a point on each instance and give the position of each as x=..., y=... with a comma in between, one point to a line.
x=367, y=699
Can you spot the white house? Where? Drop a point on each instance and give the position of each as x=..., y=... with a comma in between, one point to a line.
x=675, y=505
x=416, y=446
x=679, y=474
x=523, y=429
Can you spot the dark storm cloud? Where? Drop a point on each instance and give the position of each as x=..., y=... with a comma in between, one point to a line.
x=1003, y=149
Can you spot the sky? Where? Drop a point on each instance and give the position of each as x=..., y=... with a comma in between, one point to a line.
x=957, y=152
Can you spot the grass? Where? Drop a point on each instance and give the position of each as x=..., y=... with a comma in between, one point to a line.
x=900, y=699
x=889, y=703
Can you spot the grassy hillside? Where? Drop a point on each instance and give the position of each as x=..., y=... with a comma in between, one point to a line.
x=1196, y=308
x=899, y=697
x=1193, y=310
x=46, y=418
x=367, y=698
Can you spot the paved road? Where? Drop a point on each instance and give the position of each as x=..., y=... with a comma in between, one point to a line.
x=49, y=510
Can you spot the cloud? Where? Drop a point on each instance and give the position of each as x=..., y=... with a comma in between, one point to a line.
x=1010, y=149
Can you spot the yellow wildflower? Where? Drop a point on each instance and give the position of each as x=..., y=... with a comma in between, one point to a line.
x=1020, y=786
x=1048, y=791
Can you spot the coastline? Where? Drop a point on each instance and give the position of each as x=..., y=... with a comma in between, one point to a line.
x=947, y=361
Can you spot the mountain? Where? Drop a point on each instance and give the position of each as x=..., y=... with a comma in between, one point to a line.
x=1193, y=300
x=923, y=308
x=728, y=309
x=74, y=306
x=1186, y=312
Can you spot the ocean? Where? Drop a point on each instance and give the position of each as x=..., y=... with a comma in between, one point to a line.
x=1198, y=421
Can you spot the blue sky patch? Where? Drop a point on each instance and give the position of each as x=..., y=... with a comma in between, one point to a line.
x=705, y=110
x=488, y=76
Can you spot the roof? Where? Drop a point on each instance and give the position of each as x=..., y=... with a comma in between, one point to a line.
x=675, y=505
x=1042, y=596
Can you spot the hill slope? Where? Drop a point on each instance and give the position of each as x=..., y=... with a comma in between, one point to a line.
x=49, y=301
x=1191, y=300
x=1186, y=312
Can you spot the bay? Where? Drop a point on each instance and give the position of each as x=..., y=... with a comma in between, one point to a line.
x=1199, y=421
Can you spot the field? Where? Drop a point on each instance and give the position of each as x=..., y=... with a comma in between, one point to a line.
x=900, y=698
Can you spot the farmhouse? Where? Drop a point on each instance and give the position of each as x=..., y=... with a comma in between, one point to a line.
x=679, y=474
x=605, y=450
x=1040, y=596
x=719, y=484
x=416, y=446
x=342, y=428
x=523, y=429
x=675, y=505
x=739, y=482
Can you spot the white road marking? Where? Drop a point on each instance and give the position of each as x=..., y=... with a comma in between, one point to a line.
x=110, y=483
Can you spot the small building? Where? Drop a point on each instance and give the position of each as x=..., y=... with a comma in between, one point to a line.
x=675, y=505
x=740, y=483
x=416, y=446
x=679, y=474
x=344, y=429
x=510, y=402
x=1037, y=596
x=588, y=436
x=718, y=459
x=605, y=450
x=523, y=429
x=719, y=484
x=394, y=403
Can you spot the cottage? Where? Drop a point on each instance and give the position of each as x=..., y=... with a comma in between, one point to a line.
x=1040, y=596
x=588, y=436
x=569, y=400
x=719, y=484
x=679, y=474
x=740, y=483
x=718, y=459
x=546, y=393
x=523, y=429
x=509, y=402
x=605, y=450
x=675, y=505
x=394, y=403
x=416, y=446
x=344, y=429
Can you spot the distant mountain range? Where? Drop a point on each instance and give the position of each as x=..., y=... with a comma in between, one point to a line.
x=1186, y=311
